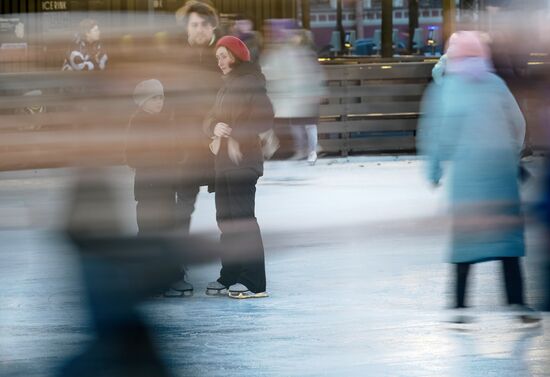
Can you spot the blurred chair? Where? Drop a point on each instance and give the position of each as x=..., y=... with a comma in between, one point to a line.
x=364, y=46
x=418, y=40
x=377, y=40
x=432, y=40
x=349, y=41
x=395, y=38
x=335, y=43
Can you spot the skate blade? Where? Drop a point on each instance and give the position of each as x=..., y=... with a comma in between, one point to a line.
x=177, y=294
x=243, y=295
x=529, y=320
x=216, y=292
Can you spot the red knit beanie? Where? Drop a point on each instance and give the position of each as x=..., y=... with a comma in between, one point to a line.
x=236, y=46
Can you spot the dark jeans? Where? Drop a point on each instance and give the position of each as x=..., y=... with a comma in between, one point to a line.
x=243, y=258
x=512, y=280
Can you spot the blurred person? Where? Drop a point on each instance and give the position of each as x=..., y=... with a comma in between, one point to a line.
x=193, y=93
x=120, y=271
x=542, y=210
x=243, y=29
x=295, y=86
x=242, y=111
x=307, y=90
x=472, y=119
x=502, y=67
x=35, y=108
x=87, y=53
x=276, y=33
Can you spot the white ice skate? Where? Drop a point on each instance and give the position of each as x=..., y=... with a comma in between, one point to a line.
x=312, y=158
x=240, y=291
x=215, y=288
x=180, y=289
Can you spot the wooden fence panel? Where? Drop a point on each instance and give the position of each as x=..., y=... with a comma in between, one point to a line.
x=372, y=107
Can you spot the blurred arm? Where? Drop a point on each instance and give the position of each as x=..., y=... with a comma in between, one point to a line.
x=515, y=117
x=428, y=134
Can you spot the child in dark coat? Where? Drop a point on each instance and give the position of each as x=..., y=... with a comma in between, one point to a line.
x=152, y=150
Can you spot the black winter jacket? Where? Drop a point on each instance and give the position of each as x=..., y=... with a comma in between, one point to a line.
x=243, y=104
x=189, y=97
x=152, y=141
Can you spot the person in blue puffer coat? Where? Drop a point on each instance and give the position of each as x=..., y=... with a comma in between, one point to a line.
x=471, y=119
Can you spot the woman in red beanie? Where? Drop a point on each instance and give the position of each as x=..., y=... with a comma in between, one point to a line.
x=241, y=112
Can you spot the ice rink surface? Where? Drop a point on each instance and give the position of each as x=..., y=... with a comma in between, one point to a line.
x=358, y=284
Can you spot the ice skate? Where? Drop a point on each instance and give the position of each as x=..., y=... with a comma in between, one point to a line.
x=180, y=289
x=525, y=314
x=215, y=288
x=240, y=291
x=312, y=158
x=460, y=316
x=297, y=156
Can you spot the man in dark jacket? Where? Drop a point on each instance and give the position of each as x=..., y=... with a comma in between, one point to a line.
x=191, y=95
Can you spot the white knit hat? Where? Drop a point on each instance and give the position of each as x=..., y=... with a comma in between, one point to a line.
x=146, y=90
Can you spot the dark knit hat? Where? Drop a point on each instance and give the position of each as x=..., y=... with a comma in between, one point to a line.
x=236, y=46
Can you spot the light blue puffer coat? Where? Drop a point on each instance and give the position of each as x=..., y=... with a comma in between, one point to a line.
x=471, y=119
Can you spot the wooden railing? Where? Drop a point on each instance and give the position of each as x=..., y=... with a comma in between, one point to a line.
x=372, y=107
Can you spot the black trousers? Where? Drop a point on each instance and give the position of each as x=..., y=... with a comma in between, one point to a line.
x=156, y=204
x=513, y=281
x=164, y=204
x=243, y=259
x=186, y=193
x=164, y=201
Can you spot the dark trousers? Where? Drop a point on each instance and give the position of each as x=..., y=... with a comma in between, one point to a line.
x=155, y=208
x=513, y=281
x=164, y=205
x=164, y=202
x=187, y=193
x=243, y=258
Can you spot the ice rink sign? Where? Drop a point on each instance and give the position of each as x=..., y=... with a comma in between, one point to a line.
x=49, y=6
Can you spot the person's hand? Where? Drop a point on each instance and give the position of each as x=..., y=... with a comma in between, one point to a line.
x=222, y=130
x=435, y=176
